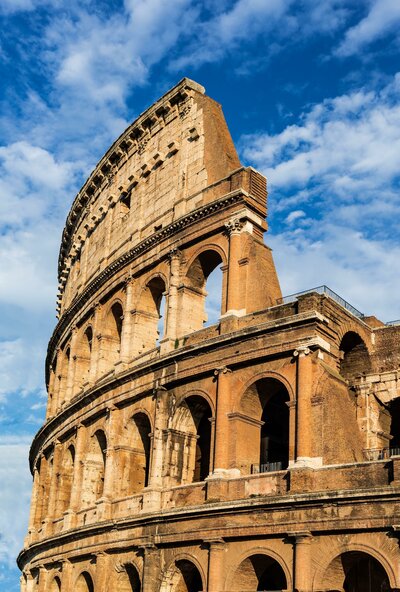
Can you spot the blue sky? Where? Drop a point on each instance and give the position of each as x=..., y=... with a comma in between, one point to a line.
x=311, y=93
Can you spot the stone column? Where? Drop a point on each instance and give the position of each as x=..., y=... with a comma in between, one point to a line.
x=160, y=424
x=110, y=471
x=55, y=477
x=96, y=349
x=102, y=572
x=151, y=568
x=66, y=575
x=172, y=306
x=127, y=325
x=221, y=441
x=71, y=366
x=32, y=526
x=76, y=490
x=233, y=299
x=216, y=570
x=302, y=561
x=43, y=577
x=304, y=457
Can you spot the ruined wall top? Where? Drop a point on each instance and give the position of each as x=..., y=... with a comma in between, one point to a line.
x=153, y=174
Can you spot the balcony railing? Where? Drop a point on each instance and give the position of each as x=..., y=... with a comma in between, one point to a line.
x=380, y=453
x=266, y=468
x=328, y=292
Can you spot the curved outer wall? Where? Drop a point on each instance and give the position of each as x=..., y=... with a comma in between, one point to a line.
x=180, y=457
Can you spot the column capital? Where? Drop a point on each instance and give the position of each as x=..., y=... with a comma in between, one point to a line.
x=234, y=226
x=301, y=351
x=174, y=253
x=217, y=544
x=222, y=370
x=301, y=536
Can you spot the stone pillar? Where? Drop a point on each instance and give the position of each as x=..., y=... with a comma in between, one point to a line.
x=71, y=367
x=75, y=503
x=127, y=325
x=43, y=577
x=54, y=481
x=172, y=306
x=221, y=443
x=96, y=349
x=302, y=561
x=233, y=298
x=160, y=424
x=304, y=455
x=110, y=470
x=32, y=525
x=216, y=568
x=102, y=572
x=66, y=575
x=151, y=568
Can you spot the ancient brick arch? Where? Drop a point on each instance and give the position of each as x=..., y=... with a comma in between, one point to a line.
x=372, y=566
x=184, y=575
x=259, y=569
x=84, y=582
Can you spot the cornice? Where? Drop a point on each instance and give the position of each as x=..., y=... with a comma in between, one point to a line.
x=298, y=501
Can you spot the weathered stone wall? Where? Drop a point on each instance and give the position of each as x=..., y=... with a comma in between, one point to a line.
x=251, y=454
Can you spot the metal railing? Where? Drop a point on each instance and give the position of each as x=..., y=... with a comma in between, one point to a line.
x=328, y=292
x=393, y=323
x=266, y=467
x=380, y=453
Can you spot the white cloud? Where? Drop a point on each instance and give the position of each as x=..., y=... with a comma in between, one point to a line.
x=339, y=166
x=16, y=485
x=382, y=19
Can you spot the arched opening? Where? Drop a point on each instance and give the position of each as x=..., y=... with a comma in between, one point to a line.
x=128, y=580
x=356, y=571
x=150, y=321
x=84, y=583
x=113, y=328
x=83, y=358
x=261, y=432
x=140, y=445
x=66, y=477
x=201, y=295
x=355, y=360
x=394, y=408
x=259, y=572
x=190, y=440
x=55, y=585
x=95, y=468
x=186, y=577
x=62, y=375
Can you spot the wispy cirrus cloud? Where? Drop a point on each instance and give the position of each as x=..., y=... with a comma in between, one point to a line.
x=382, y=19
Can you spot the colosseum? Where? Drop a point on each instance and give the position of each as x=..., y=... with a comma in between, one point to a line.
x=257, y=452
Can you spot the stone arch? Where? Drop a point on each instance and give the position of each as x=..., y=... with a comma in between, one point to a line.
x=189, y=438
x=113, y=322
x=333, y=568
x=138, y=452
x=55, y=585
x=394, y=410
x=66, y=478
x=94, y=467
x=83, y=356
x=260, y=569
x=149, y=316
x=63, y=364
x=184, y=575
x=193, y=291
x=354, y=356
x=357, y=571
x=128, y=579
x=261, y=425
x=84, y=582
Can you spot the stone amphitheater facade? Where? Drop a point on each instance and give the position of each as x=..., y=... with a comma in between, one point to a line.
x=257, y=453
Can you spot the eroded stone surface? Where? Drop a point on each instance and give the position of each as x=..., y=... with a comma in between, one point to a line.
x=257, y=453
